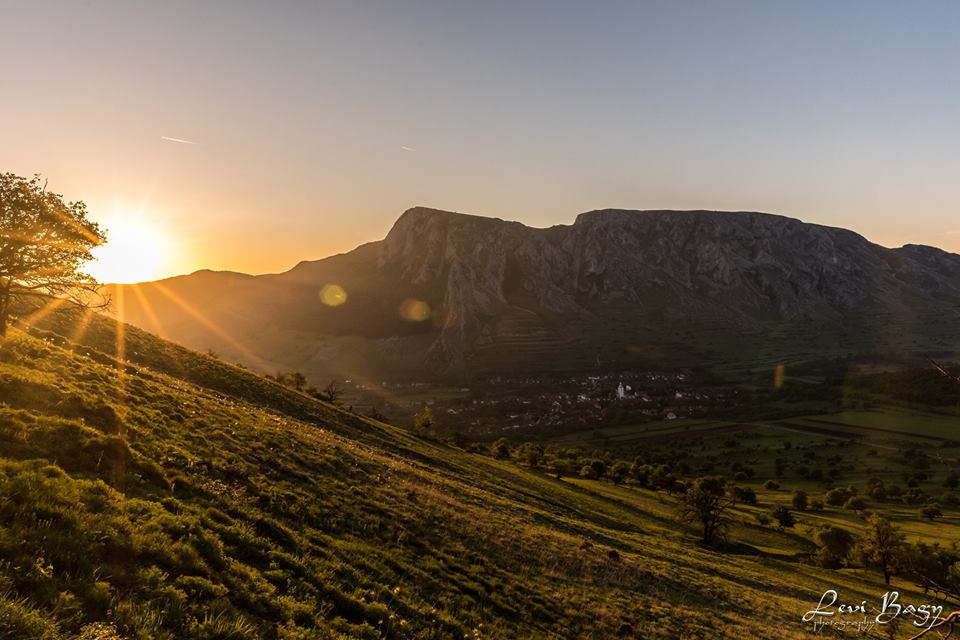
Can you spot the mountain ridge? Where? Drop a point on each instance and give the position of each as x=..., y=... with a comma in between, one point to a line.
x=495, y=289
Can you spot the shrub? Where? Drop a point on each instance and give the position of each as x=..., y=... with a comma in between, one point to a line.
x=783, y=518
x=855, y=503
x=834, y=546
x=799, y=500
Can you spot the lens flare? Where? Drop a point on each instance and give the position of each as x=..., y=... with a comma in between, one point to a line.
x=333, y=295
x=414, y=310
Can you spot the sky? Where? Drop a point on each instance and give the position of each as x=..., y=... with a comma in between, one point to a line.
x=250, y=136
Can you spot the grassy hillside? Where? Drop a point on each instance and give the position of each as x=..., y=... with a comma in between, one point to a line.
x=150, y=492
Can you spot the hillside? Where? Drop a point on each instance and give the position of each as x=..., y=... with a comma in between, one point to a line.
x=453, y=296
x=151, y=492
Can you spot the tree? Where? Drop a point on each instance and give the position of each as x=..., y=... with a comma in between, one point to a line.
x=799, y=500
x=44, y=245
x=745, y=495
x=783, y=517
x=332, y=393
x=708, y=503
x=423, y=423
x=931, y=512
x=530, y=454
x=834, y=546
x=501, y=449
x=881, y=546
x=296, y=380
x=856, y=503
x=619, y=472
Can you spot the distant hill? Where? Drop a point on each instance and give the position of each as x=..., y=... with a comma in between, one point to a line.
x=147, y=491
x=741, y=291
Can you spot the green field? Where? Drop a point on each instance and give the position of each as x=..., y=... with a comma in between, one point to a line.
x=149, y=492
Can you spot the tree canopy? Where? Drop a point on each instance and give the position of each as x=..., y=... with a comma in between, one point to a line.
x=708, y=502
x=44, y=244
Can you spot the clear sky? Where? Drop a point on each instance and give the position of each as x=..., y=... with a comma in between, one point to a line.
x=317, y=123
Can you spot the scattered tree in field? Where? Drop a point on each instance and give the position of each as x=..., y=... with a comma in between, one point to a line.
x=556, y=468
x=44, y=245
x=816, y=504
x=799, y=500
x=709, y=503
x=931, y=512
x=332, y=392
x=784, y=518
x=500, y=449
x=423, y=422
x=771, y=485
x=839, y=496
x=834, y=545
x=881, y=546
x=745, y=495
x=529, y=454
x=588, y=472
x=296, y=380
x=619, y=472
x=856, y=503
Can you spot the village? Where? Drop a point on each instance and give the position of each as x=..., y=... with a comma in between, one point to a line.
x=543, y=405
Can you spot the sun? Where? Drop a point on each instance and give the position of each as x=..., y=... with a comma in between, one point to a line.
x=136, y=251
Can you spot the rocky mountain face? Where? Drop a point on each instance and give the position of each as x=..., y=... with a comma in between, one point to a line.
x=615, y=286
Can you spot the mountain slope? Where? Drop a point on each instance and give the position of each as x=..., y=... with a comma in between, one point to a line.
x=625, y=288
x=166, y=494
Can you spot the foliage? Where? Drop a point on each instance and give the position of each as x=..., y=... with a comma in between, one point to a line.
x=708, y=502
x=44, y=244
x=881, y=546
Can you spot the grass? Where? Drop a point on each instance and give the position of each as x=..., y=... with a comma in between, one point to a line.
x=150, y=492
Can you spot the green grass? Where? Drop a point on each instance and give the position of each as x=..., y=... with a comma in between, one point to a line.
x=167, y=495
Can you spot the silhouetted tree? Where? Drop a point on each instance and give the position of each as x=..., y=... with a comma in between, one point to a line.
x=931, y=512
x=834, y=546
x=881, y=546
x=784, y=518
x=296, y=380
x=799, y=500
x=44, y=245
x=332, y=393
x=500, y=449
x=708, y=502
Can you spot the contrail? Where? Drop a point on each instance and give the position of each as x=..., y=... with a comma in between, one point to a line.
x=408, y=148
x=179, y=140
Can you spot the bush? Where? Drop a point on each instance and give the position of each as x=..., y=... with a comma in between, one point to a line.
x=834, y=545
x=771, y=485
x=855, y=503
x=799, y=500
x=783, y=518
x=931, y=512
x=746, y=495
x=839, y=496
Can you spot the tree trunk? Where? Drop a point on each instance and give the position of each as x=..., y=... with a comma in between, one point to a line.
x=4, y=312
x=886, y=575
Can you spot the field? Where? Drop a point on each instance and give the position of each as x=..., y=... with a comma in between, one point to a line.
x=150, y=492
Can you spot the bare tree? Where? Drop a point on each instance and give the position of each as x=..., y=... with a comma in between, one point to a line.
x=332, y=393
x=44, y=245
